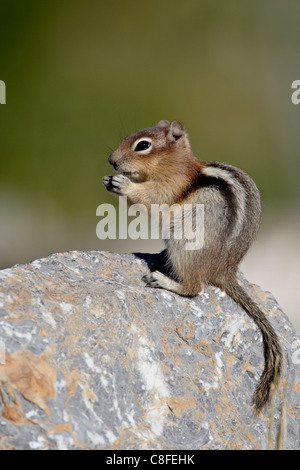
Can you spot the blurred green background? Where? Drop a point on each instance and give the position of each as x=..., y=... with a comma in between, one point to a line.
x=80, y=75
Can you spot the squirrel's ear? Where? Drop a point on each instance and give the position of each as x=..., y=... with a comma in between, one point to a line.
x=176, y=130
x=163, y=123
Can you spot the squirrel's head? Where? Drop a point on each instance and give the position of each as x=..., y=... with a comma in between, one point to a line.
x=149, y=153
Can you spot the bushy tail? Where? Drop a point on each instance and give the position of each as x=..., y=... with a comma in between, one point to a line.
x=272, y=348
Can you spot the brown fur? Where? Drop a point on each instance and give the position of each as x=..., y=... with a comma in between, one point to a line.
x=168, y=173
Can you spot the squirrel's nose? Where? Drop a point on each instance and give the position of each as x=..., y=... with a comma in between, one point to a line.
x=111, y=159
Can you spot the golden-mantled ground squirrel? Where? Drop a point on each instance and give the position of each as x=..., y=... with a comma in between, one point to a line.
x=157, y=166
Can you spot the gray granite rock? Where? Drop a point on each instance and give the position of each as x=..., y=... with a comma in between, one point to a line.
x=91, y=358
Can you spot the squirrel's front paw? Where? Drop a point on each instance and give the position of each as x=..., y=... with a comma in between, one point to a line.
x=116, y=184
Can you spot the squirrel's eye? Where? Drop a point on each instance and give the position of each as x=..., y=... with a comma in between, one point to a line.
x=142, y=145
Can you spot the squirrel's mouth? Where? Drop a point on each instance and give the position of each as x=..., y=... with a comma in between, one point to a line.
x=134, y=176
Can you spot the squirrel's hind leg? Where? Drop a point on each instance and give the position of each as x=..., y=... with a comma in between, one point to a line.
x=160, y=280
